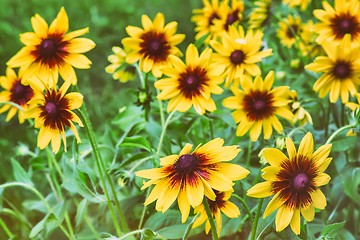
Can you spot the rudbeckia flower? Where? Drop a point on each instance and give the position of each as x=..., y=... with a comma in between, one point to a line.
x=238, y=54
x=294, y=180
x=293, y=3
x=190, y=176
x=221, y=204
x=51, y=50
x=52, y=110
x=341, y=70
x=16, y=92
x=336, y=22
x=289, y=30
x=258, y=105
x=191, y=83
x=300, y=113
x=231, y=17
x=204, y=18
x=153, y=44
x=260, y=14
x=119, y=68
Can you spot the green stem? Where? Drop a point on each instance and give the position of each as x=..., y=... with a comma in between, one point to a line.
x=13, y=104
x=248, y=157
x=342, y=115
x=6, y=229
x=243, y=202
x=161, y=109
x=256, y=220
x=327, y=120
x=211, y=219
x=339, y=131
x=39, y=195
x=143, y=211
x=138, y=163
x=130, y=233
x=163, y=132
x=101, y=168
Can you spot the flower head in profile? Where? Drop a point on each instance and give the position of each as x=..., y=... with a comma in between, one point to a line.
x=51, y=50
x=308, y=45
x=238, y=54
x=231, y=17
x=301, y=115
x=204, y=18
x=119, y=68
x=52, y=110
x=289, y=30
x=153, y=44
x=259, y=16
x=190, y=176
x=191, y=83
x=294, y=3
x=340, y=68
x=336, y=22
x=294, y=180
x=15, y=92
x=221, y=204
x=258, y=105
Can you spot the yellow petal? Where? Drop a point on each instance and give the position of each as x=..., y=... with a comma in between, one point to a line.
x=61, y=23
x=306, y=147
x=290, y=147
x=275, y=203
x=233, y=171
x=80, y=45
x=274, y=156
x=260, y=190
x=194, y=190
x=230, y=210
x=295, y=222
x=283, y=218
x=184, y=205
x=308, y=213
x=318, y=199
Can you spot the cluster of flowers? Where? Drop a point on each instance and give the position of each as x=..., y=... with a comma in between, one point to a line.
x=33, y=92
x=230, y=56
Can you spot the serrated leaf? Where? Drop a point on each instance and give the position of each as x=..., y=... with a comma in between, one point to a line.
x=332, y=230
x=19, y=173
x=136, y=142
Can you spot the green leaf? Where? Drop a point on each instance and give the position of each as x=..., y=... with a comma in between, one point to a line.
x=19, y=173
x=136, y=142
x=350, y=182
x=173, y=232
x=159, y=220
x=80, y=212
x=343, y=144
x=40, y=225
x=332, y=230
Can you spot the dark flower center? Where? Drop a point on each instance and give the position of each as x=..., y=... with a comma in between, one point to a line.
x=219, y=202
x=51, y=108
x=237, y=57
x=191, y=82
x=300, y=181
x=292, y=31
x=258, y=105
x=295, y=181
x=48, y=47
x=186, y=164
x=231, y=18
x=21, y=94
x=342, y=70
x=155, y=46
x=343, y=24
x=212, y=17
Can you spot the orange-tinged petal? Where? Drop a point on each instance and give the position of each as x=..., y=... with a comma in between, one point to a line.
x=194, y=190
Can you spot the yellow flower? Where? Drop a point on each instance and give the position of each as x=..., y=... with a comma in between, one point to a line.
x=119, y=68
x=341, y=70
x=190, y=176
x=51, y=50
x=260, y=14
x=231, y=17
x=191, y=83
x=293, y=3
x=308, y=45
x=289, y=30
x=204, y=18
x=336, y=22
x=52, y=110
x=220, y=204
x=16, y=92
x=294, y=180
x=238, y=54
x=300, y=114
x=153, y=44
x=257, y=107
